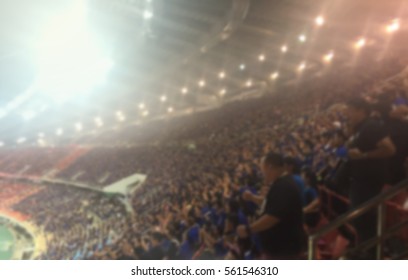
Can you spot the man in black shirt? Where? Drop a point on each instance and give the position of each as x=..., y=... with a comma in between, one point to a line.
x=369, y=148
x=155, y=251
x=280, y=226
x=397, y=128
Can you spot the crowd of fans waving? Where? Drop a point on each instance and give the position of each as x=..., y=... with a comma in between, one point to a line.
x=231, y=183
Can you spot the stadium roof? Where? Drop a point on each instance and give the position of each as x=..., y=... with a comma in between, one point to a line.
x=131, y=60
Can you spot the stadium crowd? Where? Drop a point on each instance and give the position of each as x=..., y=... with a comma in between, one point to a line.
x=206, y=175
x=197, y=196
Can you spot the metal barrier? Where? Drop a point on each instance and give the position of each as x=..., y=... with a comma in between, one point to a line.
x=382, y=234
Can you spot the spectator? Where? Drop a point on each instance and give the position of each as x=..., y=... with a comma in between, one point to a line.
x=398, y=131
x=280, y=226
x=292, y=167
x=154, y=250
x=370, y=146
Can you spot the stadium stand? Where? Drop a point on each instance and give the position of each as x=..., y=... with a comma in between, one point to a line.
x=205, y=168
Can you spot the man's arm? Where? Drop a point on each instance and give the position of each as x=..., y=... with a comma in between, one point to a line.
x=263, y=223
x=385, y=149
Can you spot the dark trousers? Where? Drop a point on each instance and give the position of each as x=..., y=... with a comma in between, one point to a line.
x=366, y=224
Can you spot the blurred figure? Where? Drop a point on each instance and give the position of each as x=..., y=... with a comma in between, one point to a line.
x=398, y=131
x=292, y=167
x=280, y=226
x=153, y=248
x=369, y=148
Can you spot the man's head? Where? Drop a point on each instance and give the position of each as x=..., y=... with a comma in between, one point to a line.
x=272, y=167
x=357, y=110
x=291, y=165
x=156, y=238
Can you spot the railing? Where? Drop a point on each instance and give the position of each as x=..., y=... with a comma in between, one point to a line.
x=382, y=235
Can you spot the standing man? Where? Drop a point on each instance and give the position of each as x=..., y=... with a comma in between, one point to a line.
x=369, y=148
x=280, y=226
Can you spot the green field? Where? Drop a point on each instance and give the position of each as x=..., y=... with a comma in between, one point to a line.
x=6, y=241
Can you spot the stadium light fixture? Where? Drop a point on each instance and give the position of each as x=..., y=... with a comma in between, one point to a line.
x=302, y=67
x=163, y=98
x=261, y=58
x=145, y=113
x=98, y=122
x=319, y=21
x=328, y=57
x=170, y=110
x=147, y=14
x=78, y=126
x=394, y=26
x=302, y=38
x=1, y=144
x=21, y=140
x=284, y=48
x=274, y=76
x=360, y=43
x=59, y=132
x=242, y=67
x=223, y=92
x=141, y=106
x=41, y=142
x=184, y=90
x=221, y=75
x=249, y=83
x=201, y=83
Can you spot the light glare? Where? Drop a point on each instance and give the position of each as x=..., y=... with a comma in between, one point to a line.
x=78, y=127
x=302, y=67
x=28, y=115
x=393, y=26
x=68, y=59
x=59, y=132
x=98, y=122
x=328, y=57
x=319, y=20
x=274, y=76
x=147, y=14
x=360, y=43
